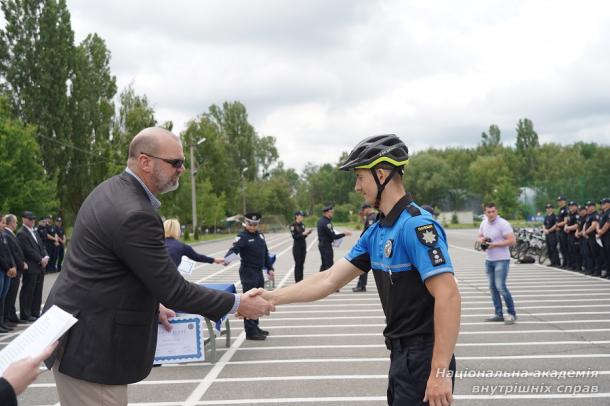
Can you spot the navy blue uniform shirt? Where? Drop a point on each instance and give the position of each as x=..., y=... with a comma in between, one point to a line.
x=252, y=248
x=177, y=249
x=326, y=233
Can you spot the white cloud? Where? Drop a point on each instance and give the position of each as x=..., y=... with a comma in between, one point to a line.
x=321, y=75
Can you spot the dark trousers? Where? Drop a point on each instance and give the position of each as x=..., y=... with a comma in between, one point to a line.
x=362, y=280
x=60, y=257
x=551, y=246
x=577, y=253
x=52, y=251
x=586, y=256
x=572, y=251
x=298, y=252
x=409, y=370
x=10, y=312
x=326, y=253
x=596, y=255
x=30, y=297
x=606, y=252
x=250, y=279
x=563, y=247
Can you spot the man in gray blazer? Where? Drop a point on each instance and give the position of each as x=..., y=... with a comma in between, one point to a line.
x=116, y=274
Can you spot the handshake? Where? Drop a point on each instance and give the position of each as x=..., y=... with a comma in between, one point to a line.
x=255, y=303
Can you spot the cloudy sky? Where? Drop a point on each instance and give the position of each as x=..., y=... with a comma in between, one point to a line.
x=320, y=75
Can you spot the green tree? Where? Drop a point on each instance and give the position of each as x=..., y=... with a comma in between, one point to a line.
x=527, y=146
x=427, y=178
x=23, y=182
x=491, y=140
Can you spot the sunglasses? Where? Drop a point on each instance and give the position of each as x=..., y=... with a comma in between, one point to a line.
x=176, y=163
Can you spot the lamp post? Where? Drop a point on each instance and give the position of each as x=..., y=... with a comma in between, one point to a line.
x=243, y=189
x=193, y=172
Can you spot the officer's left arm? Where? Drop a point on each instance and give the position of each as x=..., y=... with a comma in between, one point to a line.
x=268, y=264
x=236, y=247
x=604, y=228
x=447, y=304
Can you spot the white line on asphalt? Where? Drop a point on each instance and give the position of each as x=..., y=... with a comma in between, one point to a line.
x=483, y=332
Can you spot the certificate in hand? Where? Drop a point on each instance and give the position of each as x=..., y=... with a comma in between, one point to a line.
x=186, y=266
x=337, y=243
x=230, y=258
x=184, y=343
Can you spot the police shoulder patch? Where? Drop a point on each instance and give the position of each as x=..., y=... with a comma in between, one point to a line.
x=436, y=256
x=330, y=226
x=291, y=228
x=237, y=239
x=427, y=235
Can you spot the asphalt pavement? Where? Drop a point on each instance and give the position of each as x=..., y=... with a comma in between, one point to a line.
x=331, y=352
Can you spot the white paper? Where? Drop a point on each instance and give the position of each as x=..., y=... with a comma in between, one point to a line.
x=230, y=258
x=37, y=337
x=337, y=243
x=184, y=343
x=186, y=266
x=599, y=242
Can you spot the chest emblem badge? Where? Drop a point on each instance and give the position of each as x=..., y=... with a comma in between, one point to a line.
x=387, y=249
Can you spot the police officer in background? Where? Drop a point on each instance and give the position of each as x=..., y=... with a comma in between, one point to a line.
x=326, y=236
x=589, y=232
x=582, y=239
x=369, y=217
x=550, y=232
x=250, y=244
x=51, y=243
x=562, y=218
x=61, y=239
x=570, y=229
x=603, y=233
x=299, y=247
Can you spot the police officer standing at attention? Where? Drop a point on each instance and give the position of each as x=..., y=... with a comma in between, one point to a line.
x=571, y=228
x=299, y=247
x=603, y=234
x=61, y=239
x=408, y=255
x=550, y=232
x=250, y=244
x=562, y=217
x=594, y=248
x=585, y=258
x=369, y=217
x=326, y=236
x=51, y=243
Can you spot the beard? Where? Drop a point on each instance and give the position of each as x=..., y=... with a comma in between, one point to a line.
x=165, y=183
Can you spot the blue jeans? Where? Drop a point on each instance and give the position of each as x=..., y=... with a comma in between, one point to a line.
x=497, y=272
x=5, y=284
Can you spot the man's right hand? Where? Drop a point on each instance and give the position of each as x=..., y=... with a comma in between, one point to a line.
x=252, y=305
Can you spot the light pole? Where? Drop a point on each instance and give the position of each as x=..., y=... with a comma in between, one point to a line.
x=243, y=189
x=193, y=172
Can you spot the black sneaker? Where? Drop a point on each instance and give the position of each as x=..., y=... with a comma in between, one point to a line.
x=257, y=337
x=263, y=332
x=359, y=289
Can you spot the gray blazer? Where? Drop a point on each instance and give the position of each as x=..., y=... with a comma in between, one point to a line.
x=115, y=274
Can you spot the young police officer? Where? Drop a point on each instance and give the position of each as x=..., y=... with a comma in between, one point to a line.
x=299, y=248
x=250, y=244
x=369, y=217
x=407, y=251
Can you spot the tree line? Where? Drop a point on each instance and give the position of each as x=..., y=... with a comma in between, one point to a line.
x=65, y=127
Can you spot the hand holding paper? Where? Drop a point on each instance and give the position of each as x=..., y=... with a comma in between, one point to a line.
x=230, y=258
x=23, y=372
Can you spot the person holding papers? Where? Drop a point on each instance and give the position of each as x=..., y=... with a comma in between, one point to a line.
x=250, y=244
x=118, y=271
x=177, y=249
x=326, y=236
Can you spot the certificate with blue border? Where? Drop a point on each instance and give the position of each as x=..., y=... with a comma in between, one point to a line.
x=184, y=343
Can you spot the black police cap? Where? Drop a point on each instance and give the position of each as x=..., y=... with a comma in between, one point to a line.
x=582, y=208
x=548, y=206
x=572, y=203
x=299, y=213
x=590, y=203
x=365, y=206
x=328, y=207
x=58, y=219
x=605, y=200
x=560, y=198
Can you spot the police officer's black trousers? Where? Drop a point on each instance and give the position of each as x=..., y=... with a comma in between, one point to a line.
x=551, y=246
x=60, y=257
x=606, y=252
x=52, y=251
x=410, y=361
x=251, y=279
x=563, y=247
x=299, y=250
x=362, y=280
x=596, y=255
x=326, y=253
x=573, y=252
x=585, y=254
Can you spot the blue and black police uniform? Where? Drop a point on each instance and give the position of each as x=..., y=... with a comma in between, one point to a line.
x=584, y=245
x=50, y=246
x=299, y=247
x=594, y=248
x=604, y=218
x=561, y=234
x=404, y=249
x=574, y=258
x=59, y=230
x=326, y=236
x=551, y=238
x=254, y=254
